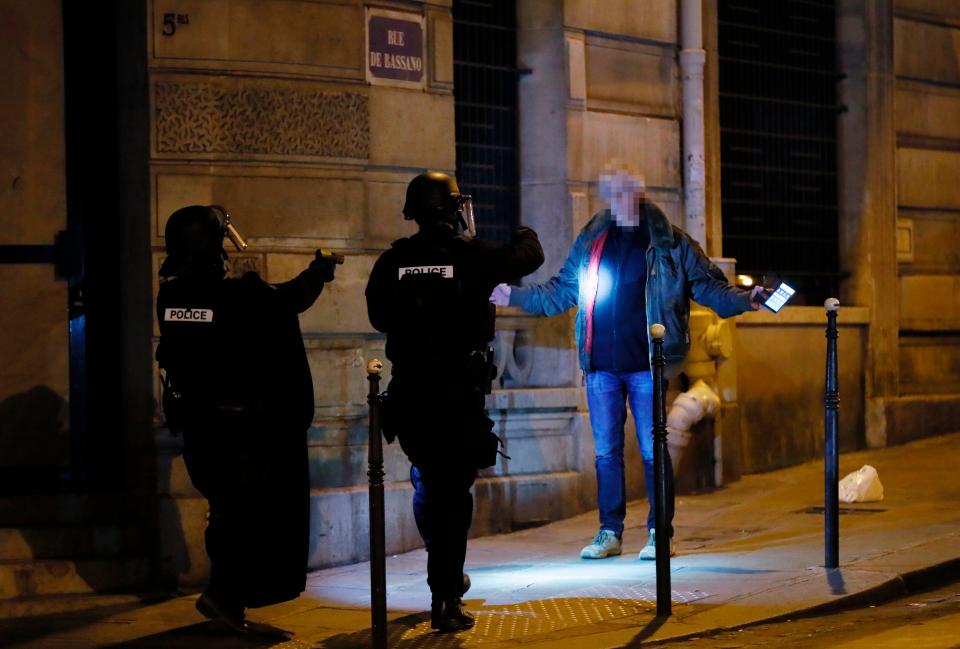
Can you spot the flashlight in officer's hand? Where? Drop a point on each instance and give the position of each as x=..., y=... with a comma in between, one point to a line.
x=228, y=230
x=330, y=255
x=234, y=236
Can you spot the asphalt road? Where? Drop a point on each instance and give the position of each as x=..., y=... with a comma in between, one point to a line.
x=927, y=620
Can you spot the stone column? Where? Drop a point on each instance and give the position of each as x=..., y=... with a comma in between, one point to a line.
x=867, y=192
x=546, y=95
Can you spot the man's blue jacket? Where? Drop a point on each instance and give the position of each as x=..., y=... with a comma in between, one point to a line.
x=677, y=270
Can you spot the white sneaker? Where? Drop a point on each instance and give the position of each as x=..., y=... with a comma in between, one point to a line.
x=649, y=551
x=605, y=544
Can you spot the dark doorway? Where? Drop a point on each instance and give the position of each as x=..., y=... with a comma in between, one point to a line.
x=76, y=99
x=107, y=153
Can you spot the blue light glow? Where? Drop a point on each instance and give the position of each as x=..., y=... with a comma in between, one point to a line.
x=604, y=284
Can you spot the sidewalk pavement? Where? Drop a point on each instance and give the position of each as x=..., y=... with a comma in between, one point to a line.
x=749, y=552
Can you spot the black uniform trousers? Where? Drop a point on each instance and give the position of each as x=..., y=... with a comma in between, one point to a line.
x=443, y=509
x=255, y=478
x=440, y=421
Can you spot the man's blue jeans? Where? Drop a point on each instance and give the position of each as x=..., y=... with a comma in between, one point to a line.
x=607, y=395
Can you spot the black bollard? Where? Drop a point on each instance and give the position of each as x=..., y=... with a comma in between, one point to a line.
x=660, y=459
x=831, y=460
x=378, y=556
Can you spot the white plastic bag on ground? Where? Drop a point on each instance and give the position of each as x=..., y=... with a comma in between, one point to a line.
x=861, y=486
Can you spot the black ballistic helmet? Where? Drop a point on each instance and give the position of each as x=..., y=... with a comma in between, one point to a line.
x=194, y=230
x=194, y=242
x=432, y=196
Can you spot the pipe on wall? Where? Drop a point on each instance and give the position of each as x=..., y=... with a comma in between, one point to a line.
x=692, y=60
x=686, y=410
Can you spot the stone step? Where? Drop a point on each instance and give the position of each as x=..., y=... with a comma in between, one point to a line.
x=25, y=578
x=46, y=509
x=23, y=607
x=68, y=542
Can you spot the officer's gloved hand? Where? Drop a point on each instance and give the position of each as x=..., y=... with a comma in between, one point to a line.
x=324, y=266
x=501, y=295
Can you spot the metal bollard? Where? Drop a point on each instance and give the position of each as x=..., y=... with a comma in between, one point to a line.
x=664, y=594
x=378, y=558
x=831, y=460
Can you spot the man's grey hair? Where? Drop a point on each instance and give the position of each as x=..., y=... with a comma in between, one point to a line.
x=620, y=175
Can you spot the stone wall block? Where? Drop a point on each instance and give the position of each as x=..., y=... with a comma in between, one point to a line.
x=413, y=129
x=546, y=454
x=553, y=353
x=506, y=504
x=919, y=416
x=935, y=237
x=547, y=209
x=930, y=365
x=928, y=111
x=576, y=69
x=440, y=43
x=781, y=401
x=266, y=208
x=653, y=145
x=385, y=223
x=927, y=51
x=927, y=178
x=333, y=467
x=632, y=78
x=930, y=302
x=341, y=307
x=338, y=378
x=643, y=19
x=340, y=525
x=934, y=9
x=318, y=38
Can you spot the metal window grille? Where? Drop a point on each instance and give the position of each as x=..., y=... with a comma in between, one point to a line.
x=778, y=109
x=485, y=98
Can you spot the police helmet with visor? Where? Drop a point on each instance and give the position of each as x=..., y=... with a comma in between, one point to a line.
x=434, y=197
x=194, y=237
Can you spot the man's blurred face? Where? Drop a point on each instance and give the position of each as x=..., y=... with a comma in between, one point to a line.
x=623, y=194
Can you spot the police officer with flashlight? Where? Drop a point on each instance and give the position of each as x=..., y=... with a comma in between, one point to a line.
x=237, y=384
x=429, y=293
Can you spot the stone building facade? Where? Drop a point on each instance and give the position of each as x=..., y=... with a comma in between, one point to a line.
x=270, y=108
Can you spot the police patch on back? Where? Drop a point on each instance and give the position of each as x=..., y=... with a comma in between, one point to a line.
x=176, y=314
x=441, y=271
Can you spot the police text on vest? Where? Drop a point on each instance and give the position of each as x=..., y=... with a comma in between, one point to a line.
x=188, y=315
x=442, y=271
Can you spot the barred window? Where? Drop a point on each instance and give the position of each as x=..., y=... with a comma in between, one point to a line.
x=778, y=123
x=485, y=97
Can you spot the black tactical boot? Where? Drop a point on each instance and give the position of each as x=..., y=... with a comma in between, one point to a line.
x=436, y=604
x=452, y=617
x=223, y=612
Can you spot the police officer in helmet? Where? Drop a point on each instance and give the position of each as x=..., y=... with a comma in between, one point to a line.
x=429, y=293
x=237, y=385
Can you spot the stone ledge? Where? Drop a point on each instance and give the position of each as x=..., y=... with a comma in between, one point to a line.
x=919, y=416
x=536, y=399
x=803, y=315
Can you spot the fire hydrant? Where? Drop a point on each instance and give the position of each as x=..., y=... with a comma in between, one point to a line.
x=711, y=344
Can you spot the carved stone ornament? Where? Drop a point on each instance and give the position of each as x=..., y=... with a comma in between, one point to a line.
x=204, y=117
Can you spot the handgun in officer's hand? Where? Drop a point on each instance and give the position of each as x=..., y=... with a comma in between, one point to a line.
x=326, y=262
x=323, y=253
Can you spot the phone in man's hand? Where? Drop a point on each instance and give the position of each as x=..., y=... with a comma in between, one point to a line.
x=779, y=297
